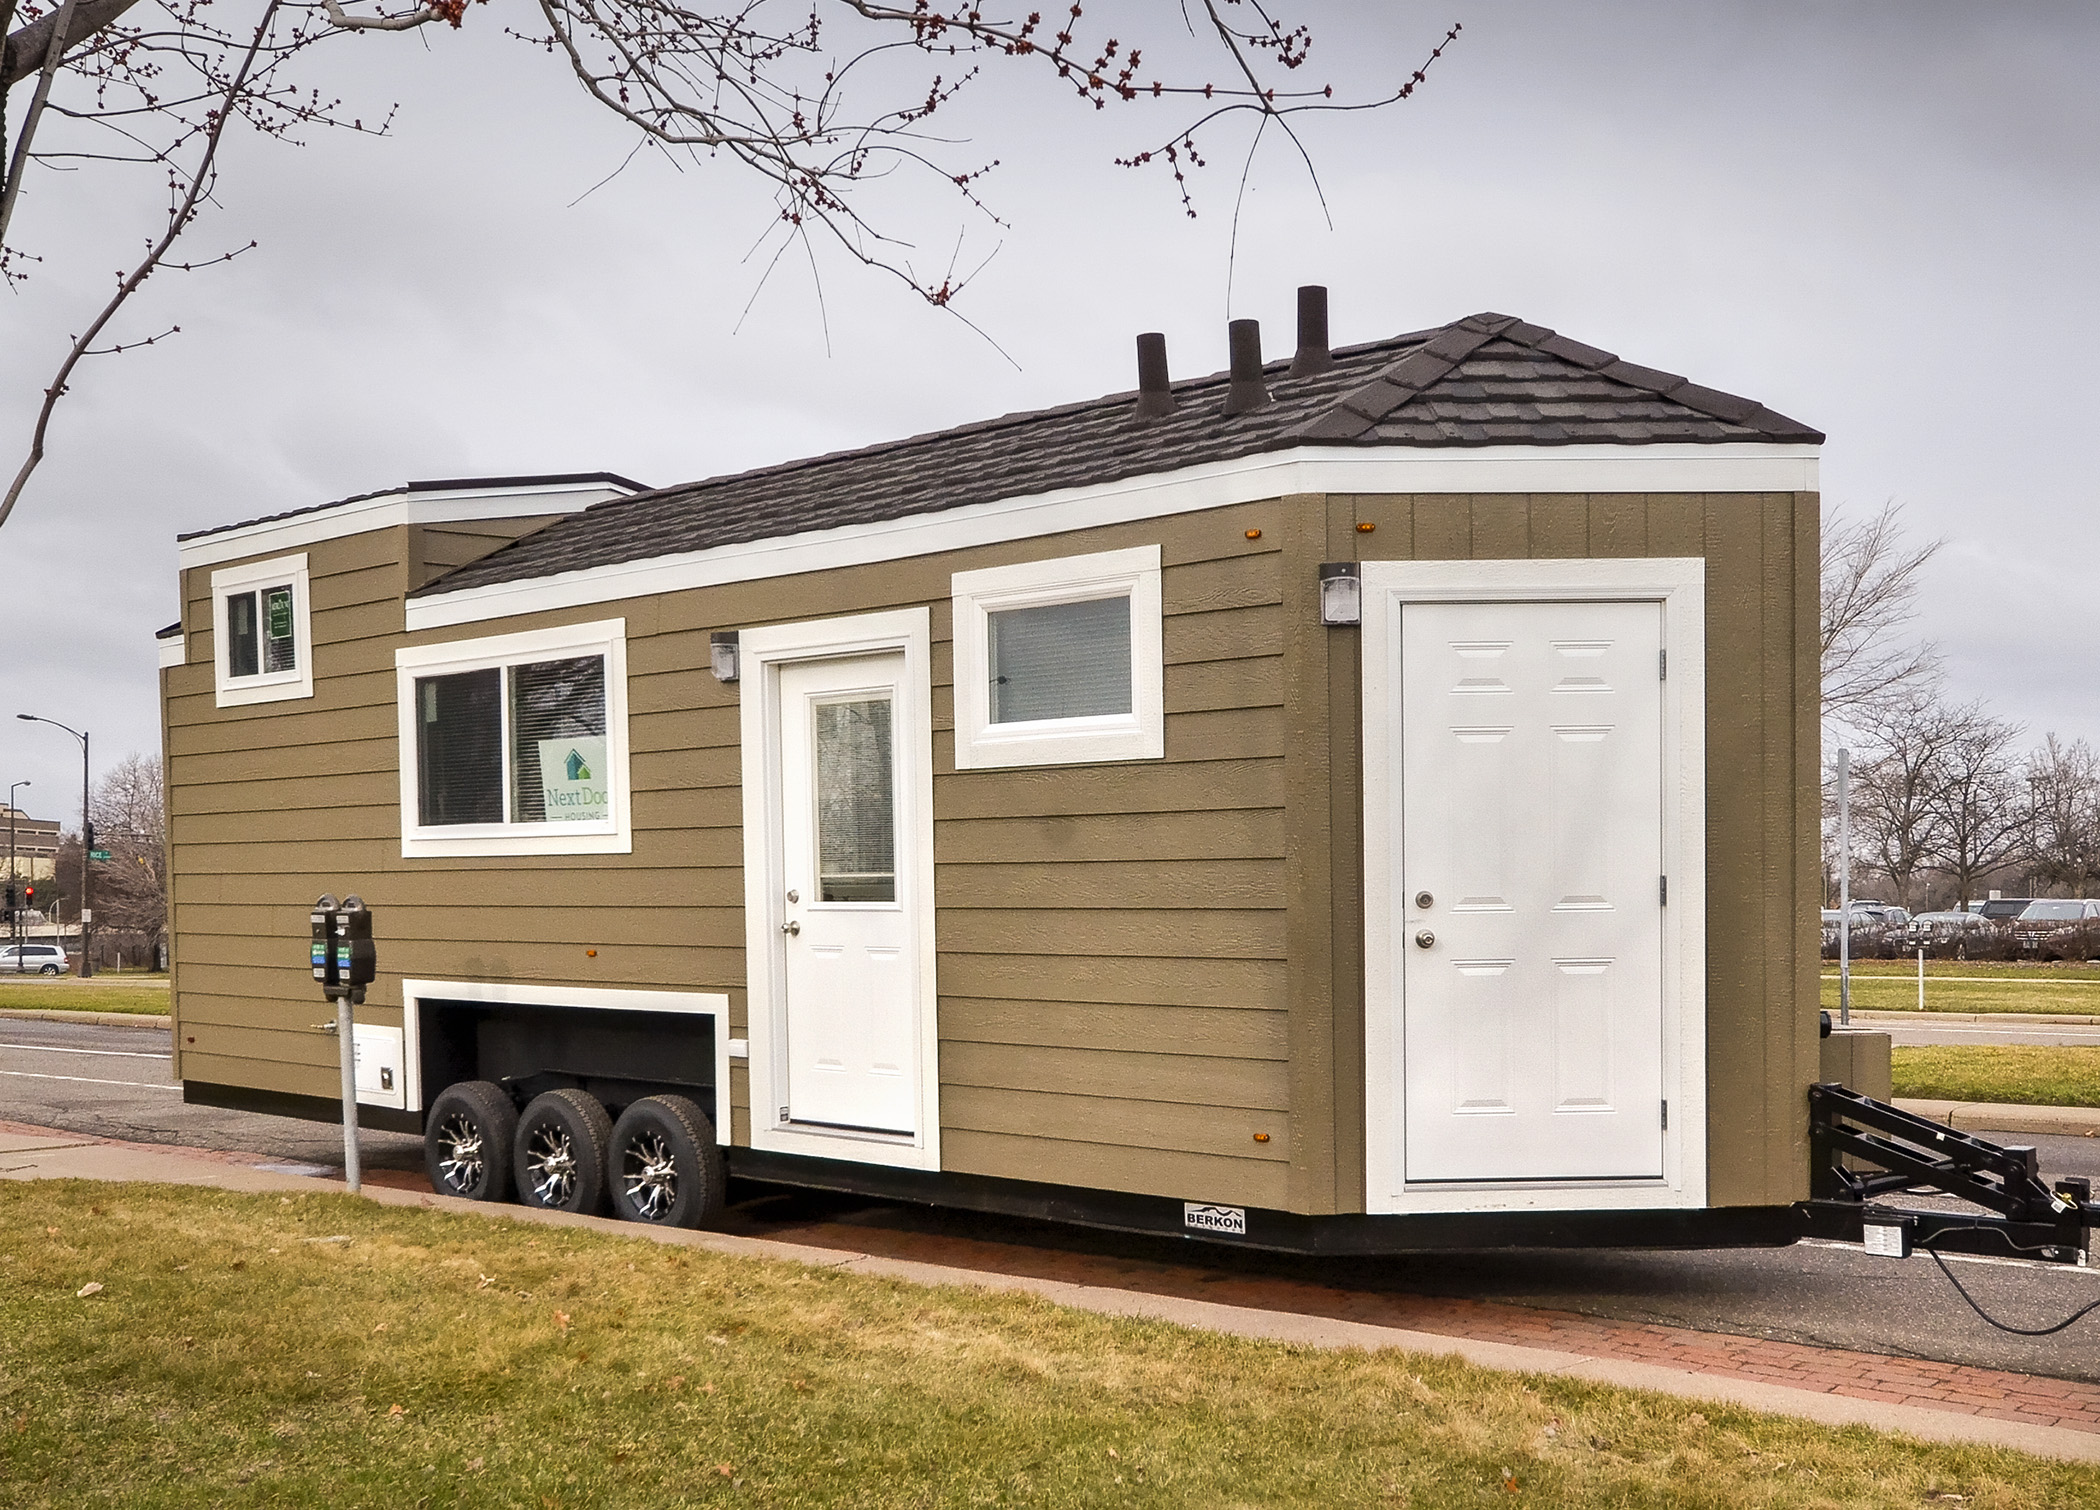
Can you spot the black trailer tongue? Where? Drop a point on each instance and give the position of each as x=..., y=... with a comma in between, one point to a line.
x=1861, y=1150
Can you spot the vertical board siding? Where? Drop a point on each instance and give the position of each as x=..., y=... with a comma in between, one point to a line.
x=1762, y=794
x=1111, y=936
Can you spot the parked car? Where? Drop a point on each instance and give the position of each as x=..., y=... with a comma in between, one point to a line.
x=37, y=959
x=2002, y=909
x=1877, y=930
x=2058, y=929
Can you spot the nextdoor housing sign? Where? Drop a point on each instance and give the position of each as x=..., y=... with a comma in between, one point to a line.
x=573, y=779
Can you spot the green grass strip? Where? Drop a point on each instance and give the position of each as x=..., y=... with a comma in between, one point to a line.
x=319, y=1351
x=147, y=996
x=2020, y=1074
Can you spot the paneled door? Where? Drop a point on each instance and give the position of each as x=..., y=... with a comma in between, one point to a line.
x=1531, y=890
x=851, y=1051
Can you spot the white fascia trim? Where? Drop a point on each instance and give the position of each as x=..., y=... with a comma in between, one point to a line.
x=388, y=510
x=1676, y=468
x=764, y=651
x=1140, y=734
x=232, y=691
x=173, y=651
x=1679, y=584
x=526, y=994
x=611, y=836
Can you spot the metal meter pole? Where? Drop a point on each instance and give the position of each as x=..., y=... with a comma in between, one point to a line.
x=1844, y=886
x=346, y=1036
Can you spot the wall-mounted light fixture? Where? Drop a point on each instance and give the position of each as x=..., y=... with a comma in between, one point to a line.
x=1341, y=593
x=721, y=654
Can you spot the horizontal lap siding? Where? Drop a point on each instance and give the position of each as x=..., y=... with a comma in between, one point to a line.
x=1110, y=936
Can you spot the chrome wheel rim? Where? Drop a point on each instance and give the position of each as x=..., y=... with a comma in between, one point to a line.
x=649, y=1174
x=550, y=1165
x=461, y=1164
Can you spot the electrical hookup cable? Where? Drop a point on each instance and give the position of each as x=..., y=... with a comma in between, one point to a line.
x=2018, y=1331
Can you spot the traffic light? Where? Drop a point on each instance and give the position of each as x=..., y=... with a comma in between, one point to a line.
x=10, y=897
x=29, y=897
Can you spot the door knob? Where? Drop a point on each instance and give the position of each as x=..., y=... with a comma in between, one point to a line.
x=1425, y=940
x=790, y=927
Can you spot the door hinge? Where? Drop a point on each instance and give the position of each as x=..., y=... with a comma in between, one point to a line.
x=1666, y=1116
x=1666, y=891
x=1662, y=665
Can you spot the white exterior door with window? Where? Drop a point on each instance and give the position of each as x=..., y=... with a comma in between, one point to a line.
x=848, y=935
x=1531, y=867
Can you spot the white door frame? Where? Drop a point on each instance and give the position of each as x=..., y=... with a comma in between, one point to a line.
x=762, y=652
x=1678, y=583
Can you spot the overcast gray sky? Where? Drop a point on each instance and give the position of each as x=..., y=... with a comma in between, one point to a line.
x=1878, y=218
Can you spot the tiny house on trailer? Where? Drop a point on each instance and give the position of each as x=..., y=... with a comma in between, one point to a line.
x=1361, y=802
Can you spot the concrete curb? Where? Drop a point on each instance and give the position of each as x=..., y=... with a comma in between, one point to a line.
x=30, y=1155
x=118, y=1019
x=1912, y=1017
x=1999, y=1116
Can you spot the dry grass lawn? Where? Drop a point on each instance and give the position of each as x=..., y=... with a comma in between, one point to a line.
x=144, y=994
x=316, y=1350
x=2015, y=1074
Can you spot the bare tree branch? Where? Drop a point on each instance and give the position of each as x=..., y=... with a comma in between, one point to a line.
x=30, y=48
x=405, y=21
x=1870, y=587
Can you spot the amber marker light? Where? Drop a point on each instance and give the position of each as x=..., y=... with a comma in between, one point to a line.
x=590, y=954
x=1254, y=534
x=1365, y=528
x=1261, y=1137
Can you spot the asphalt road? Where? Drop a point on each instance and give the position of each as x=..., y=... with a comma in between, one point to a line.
x=113, y=1081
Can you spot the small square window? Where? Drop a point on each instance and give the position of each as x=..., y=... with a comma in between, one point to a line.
x=1059, y=661
x=515, y=744
x=262, y=622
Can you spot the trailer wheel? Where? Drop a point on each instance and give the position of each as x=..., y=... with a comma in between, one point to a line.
x=467, y=1146
x=666, y=1167
x=559, y=1155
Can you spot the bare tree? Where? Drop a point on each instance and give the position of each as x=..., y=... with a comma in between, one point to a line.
x=825, y=101
x=2063, y=814
x=1870, y=590
x=1897, y=788
x=1979, y=799
x=131, y=886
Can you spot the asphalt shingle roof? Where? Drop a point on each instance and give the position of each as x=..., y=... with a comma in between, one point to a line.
x=1485, y=380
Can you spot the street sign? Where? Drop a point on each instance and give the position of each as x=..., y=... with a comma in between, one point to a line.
x=98, y=854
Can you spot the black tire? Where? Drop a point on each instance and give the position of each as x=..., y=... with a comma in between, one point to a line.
x=558, y=1158
x=665, y=1167
x=467, y=1141
x=48, y=970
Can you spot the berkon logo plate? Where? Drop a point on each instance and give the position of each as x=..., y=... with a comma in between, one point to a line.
x=1232, y=1219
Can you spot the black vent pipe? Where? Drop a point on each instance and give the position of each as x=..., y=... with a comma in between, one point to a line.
x=1247, y=391
x=1313, y=353
x=1155, y=393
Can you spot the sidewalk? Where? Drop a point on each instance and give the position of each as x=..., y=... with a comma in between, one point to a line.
x=2050, y=1418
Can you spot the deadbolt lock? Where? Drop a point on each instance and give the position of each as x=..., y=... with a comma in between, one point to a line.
x=794, y=896
x=1424, y=901
x=1425, y=940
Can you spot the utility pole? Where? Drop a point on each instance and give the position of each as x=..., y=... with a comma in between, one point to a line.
x=14, y=916
x=1844, y=886
x=87, y=837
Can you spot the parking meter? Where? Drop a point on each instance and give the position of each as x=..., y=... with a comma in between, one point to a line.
x=345, y=961
x=323, y=921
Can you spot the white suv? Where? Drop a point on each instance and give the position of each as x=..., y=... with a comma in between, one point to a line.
x=41, y=959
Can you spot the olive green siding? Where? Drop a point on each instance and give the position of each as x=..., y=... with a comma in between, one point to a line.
x=1141, y=965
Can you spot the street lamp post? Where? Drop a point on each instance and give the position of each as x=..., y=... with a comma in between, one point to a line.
x=13, y=915
x=87, y=836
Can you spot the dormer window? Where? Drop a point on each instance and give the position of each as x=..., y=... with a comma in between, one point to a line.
x=262, y=626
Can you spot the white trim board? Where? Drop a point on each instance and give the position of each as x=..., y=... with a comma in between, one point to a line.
x=1679, y=584
x=387, y=510
x=1674, y=468
x=763, y=651
x=713, y=1004
x=172, y=651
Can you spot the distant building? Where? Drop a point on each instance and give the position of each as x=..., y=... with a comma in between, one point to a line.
x=35, y=845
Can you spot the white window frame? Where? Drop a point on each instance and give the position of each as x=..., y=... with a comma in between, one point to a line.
x=612, y=835
x=264, y=686
x=1679, y=585
x=1139, y=734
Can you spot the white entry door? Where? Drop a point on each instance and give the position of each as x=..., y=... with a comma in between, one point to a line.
x=1530, y=889
x=846, y=878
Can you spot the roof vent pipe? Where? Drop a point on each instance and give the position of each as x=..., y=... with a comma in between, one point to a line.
x=1247, y=391
x=1155, y=395
x=1313, y=354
